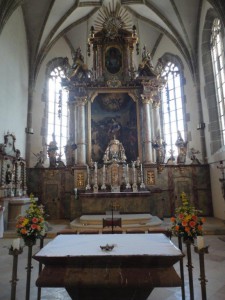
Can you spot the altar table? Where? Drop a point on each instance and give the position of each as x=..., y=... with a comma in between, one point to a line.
x=136, y=264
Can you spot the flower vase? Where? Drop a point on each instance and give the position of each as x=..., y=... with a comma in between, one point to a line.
x=30, y=241
x=189, y=239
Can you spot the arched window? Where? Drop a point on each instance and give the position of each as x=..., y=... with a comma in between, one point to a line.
x=172, y=107
x=57, y=127
x=217, y=52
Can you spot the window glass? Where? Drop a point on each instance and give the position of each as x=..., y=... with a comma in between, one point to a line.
x=57, y=111
x=218, y=70
x=172, y=107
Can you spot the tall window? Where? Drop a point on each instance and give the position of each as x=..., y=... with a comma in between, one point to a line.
x=172, y=107
x=57, y=111
x=217, y=53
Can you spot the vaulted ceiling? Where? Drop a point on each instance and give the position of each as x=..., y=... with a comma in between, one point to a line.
x=48, y=20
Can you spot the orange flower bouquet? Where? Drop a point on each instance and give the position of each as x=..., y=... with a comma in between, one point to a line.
x=32, y=226
x=187, y=223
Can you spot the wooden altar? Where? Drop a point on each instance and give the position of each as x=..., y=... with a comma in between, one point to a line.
x=135, y=266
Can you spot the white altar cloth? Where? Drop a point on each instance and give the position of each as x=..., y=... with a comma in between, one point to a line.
x=124, y=244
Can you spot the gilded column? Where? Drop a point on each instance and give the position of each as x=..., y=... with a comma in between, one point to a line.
x=99, y=61
x=81, y=129
x=147, y=129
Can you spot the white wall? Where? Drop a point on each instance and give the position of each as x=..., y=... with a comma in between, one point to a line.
x=215, y=173
x=14, y=80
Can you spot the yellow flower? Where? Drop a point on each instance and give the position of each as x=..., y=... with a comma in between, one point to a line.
x=25, y=222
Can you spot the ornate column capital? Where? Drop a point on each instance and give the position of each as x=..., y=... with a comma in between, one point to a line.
x=81, y=101
x=146, y=99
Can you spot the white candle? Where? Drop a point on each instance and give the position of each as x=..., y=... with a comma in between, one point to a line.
x=16, y=244
x=200, y=242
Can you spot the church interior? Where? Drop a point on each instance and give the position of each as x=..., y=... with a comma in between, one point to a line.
x=114, y=109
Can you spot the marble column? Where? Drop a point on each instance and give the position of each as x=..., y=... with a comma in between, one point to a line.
x=146, y=125
x=72, y=117
x=80, y=129
x=156, y=119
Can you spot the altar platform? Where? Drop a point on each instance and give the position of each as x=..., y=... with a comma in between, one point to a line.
x=128, y=221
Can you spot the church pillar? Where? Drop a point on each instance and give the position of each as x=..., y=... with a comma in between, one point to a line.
x=156, y=119
x=72, y=117
x=80, y=129
x=147, y=138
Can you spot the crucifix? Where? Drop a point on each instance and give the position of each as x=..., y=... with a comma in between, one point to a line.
x=114, y=206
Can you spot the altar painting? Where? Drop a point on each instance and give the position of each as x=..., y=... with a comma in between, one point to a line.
x=113, y=116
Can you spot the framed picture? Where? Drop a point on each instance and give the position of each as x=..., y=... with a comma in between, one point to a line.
x=113, y=116
x=113, y=60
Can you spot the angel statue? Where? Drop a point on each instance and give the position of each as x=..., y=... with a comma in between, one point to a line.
x=40, y=159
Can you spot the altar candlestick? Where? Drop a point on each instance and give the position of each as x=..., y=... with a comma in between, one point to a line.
x=142, y=186
x=134, y=186
x=127, y=178
x=96, y=179
x=103, y=187
x=88, y=187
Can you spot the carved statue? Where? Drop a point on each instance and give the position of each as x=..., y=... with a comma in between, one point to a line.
x=8, y=175
x=8, y=148
x=114, y=152
x=160, y=146
x=146, y=67
x=182, y=149
x=52, y=148
x=79, y=70
x=40, y=159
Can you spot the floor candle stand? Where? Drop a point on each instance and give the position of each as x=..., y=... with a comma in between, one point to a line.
x=190, y=267
x=201, y=252
x=29, y=243
x=181, y=269
x=15, y=253
x=40, y=266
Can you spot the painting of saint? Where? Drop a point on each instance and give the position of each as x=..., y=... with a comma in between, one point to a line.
x=113, y=60
x=109, y=124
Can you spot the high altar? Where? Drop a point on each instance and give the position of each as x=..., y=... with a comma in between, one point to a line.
x=115, y=150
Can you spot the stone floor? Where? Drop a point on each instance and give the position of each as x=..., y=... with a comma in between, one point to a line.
x=214, y=266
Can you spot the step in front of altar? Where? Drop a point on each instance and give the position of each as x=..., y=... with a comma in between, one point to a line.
x=141, y=221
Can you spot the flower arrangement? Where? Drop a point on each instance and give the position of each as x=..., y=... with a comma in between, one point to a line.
x=187, y=223
x=32, y=226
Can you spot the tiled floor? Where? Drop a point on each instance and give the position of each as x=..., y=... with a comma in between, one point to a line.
x=214, y=265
